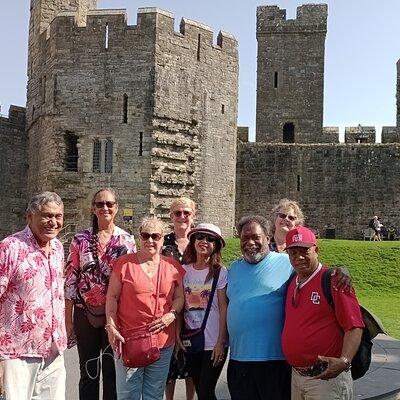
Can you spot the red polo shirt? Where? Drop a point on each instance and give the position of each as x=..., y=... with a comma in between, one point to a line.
x=312, y=327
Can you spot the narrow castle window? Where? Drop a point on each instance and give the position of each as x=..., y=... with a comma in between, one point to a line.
x=108, y=156
x=140, y=143
x=223, y=109
x=96, y=156
x=55, y=89
x=276, y=79
x=298, y=183
x=106, y=37
x=33, y=112
x=198, y=46
x=125, y=109
x=43, y=88
x=103, y=156
x=71, y=153
x=288, y=132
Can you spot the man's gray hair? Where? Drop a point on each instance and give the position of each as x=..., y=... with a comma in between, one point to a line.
x=36, y=202
x=257, y=219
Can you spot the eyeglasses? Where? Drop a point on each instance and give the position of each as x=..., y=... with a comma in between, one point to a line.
x=289, y=217
x=100, y=204
x=146, y=236
x=201, y=236
x=296, y=296
x=185, y=213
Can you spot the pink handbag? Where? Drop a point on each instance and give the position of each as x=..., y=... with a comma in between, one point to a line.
x=141, y=346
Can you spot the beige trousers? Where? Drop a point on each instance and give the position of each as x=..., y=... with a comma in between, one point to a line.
x=305, y=388
x=35, y=378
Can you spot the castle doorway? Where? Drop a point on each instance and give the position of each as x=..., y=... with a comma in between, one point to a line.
x=288, y=132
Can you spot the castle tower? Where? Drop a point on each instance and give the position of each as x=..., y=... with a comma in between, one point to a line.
x=140, y=108
x=290, y=74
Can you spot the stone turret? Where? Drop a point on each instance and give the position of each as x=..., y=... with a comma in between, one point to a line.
x=290, y=74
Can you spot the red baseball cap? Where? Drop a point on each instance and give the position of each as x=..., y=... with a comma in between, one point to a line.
x=300, y=237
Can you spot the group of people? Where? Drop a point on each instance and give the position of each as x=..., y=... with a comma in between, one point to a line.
x=136, y=312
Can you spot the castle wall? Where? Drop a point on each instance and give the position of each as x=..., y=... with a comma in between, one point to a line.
x=13, y=168
x=142, y=88
x=338, y=186
x=88, y=73
x=390, y=134
x=196, y=88
x=290, y=74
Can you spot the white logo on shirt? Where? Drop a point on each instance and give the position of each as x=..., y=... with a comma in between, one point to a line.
x=315, y=297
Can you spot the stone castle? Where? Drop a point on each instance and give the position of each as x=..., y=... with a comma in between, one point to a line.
x=153, y=113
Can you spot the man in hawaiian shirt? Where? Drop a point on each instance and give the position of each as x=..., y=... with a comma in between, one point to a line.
x=32, y=331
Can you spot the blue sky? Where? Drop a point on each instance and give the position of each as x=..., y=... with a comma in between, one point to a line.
x=362, y=49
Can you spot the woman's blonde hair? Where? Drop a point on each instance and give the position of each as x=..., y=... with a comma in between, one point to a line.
x=284, y=205
x=183, y=202
x=152, y=222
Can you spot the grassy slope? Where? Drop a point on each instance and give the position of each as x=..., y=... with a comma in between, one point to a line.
x=375, y=269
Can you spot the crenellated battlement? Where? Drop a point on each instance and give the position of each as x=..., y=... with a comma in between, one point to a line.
x=151, y=21
x=309, y=18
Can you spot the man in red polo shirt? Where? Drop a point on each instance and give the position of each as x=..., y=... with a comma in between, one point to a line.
x=318, y=341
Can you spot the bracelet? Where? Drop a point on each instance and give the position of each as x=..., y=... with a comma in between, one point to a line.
x=175, y=313
x=347, y=362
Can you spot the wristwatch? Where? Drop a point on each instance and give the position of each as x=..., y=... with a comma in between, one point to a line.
x=175, y=313
x=347, y=362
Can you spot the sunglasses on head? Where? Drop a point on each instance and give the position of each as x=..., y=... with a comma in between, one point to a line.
x=289, y=217
x=146, y=236
x=201, y=236
x=185, y=213
x=100, y=204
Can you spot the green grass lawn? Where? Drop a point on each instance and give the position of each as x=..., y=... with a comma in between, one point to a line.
x=374, y=267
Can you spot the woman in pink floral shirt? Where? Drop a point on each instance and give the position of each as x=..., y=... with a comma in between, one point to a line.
x=87, y=274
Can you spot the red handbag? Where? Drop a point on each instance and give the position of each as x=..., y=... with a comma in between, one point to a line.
x=141, y=346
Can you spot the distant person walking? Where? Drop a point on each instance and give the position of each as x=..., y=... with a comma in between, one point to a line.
x=376, y=226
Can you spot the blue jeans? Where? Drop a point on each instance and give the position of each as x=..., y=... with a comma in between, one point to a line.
x=143, y=383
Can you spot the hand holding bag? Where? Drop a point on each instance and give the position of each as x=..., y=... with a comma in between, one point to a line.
x=193, y=339
x=141, y=346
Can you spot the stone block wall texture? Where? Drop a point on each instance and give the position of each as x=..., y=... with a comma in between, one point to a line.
x=390, y=134
x=339, y=186
x=360, y=134
x=156, y=93
x=330, y=134
x=13, y=170
x=290, y=73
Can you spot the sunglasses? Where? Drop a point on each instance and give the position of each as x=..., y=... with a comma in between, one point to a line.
x=289, y=217
x=146, y=236
x=185, y=213
x=100, y=204
x=201, y=236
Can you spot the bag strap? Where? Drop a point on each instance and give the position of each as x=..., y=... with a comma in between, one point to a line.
x=158, y=288
x=210, y=300
x=326, y=287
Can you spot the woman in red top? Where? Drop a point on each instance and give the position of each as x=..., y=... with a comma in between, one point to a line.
x=132, y=303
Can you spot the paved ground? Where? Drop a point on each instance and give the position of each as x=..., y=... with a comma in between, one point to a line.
x=381, y=382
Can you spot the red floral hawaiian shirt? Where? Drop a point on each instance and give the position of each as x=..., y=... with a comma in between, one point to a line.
x=31, y=297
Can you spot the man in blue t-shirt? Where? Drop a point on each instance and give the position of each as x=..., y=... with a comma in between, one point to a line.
x=256, y=290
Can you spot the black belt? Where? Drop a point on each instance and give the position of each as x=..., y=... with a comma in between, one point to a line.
x=312, y=370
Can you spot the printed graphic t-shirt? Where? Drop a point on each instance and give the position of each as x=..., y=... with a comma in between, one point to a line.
x=197, y=293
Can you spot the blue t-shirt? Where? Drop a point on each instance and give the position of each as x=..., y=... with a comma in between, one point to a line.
x=256, y=308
